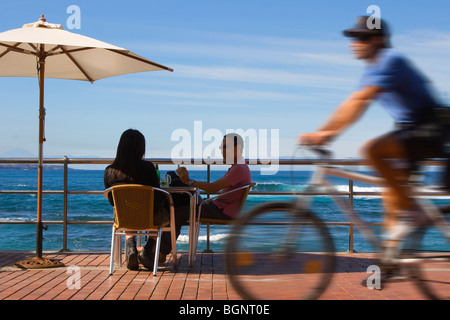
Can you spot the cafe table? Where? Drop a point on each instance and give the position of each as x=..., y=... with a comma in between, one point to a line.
x=192, y=192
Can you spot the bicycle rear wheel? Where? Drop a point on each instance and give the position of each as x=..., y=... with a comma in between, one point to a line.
x=430, y=267
x=295, y=259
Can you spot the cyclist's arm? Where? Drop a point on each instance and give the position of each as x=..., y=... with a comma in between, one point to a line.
x=344, y=116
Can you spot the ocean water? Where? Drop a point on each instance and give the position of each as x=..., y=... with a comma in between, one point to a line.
x=22, y=207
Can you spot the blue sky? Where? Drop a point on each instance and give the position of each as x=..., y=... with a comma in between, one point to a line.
x=247, y=64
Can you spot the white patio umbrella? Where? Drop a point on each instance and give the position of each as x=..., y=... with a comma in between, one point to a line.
x=45, y=50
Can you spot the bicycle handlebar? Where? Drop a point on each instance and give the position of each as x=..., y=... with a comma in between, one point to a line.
x=318, y=150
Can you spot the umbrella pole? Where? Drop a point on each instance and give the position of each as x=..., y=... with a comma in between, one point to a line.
x=38, y=261
x=39, y=225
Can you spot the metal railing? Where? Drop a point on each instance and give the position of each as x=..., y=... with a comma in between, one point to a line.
x=65, y=162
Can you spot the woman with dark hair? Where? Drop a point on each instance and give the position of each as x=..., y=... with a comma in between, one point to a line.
x=129, y=167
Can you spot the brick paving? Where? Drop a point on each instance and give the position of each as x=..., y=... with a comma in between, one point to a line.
x=206, y=281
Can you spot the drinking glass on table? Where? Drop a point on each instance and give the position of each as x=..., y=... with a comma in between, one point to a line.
x=165, y=180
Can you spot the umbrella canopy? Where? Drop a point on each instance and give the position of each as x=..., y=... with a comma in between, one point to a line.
x=67, y=55
x=45, y=50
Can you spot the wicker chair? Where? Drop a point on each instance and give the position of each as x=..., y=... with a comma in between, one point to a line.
x=133, y=215
x=208, y=222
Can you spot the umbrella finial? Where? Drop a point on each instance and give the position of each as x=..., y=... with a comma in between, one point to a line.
x=42, y=23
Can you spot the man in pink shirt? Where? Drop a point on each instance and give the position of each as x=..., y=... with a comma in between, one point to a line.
x=224, y=207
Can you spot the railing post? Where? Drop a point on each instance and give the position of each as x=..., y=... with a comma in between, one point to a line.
x=208, y=174
x=208, y=179
x=350, y=227
x=65, y=187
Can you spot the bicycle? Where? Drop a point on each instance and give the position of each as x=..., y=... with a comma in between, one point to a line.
x=298, y=252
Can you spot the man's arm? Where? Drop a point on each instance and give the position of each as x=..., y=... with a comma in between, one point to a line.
x=344, y=116
x=210, y=187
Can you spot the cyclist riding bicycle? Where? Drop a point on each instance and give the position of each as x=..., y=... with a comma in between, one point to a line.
x=406, y=95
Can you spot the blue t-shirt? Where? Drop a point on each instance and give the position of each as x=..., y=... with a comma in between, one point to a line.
x=406, y=94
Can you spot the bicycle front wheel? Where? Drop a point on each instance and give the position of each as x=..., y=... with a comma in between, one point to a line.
x=279, y=252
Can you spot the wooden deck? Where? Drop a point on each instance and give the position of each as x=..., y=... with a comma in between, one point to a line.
x=205, y=281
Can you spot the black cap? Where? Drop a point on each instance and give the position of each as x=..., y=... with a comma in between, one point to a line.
x=364, y=26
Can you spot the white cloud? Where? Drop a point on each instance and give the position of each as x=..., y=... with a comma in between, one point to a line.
x=260, y=75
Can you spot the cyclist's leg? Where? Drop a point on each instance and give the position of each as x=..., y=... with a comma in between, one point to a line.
x=391, y=207
x=379, y=152
x=397, y=197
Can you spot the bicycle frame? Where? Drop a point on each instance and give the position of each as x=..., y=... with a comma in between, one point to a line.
x=319, y=182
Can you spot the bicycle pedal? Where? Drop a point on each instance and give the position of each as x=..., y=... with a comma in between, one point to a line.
x=396, y=278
